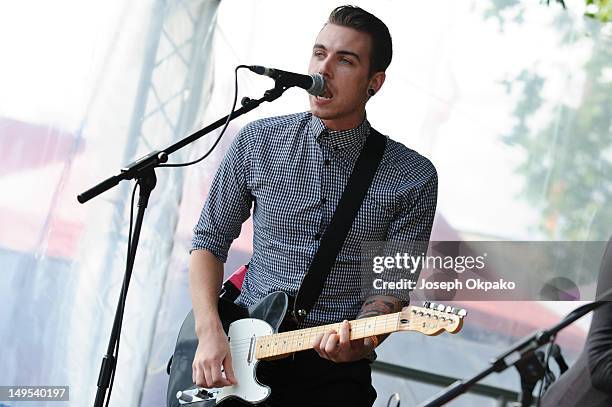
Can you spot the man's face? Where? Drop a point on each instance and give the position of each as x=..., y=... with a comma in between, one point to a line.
x=342, y=56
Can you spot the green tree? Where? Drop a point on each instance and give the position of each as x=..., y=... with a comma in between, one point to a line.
x=568, y=166
x=600, y=10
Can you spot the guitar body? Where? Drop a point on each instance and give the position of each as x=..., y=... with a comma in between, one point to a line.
x=242, y=326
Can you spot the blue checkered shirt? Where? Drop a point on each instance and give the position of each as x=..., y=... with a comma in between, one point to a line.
x=292, y=171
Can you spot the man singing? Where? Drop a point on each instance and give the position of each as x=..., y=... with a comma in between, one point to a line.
x=292, y=170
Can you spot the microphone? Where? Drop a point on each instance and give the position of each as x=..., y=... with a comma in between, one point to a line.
x=313, y=84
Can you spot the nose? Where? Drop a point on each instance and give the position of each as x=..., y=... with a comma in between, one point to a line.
x=324, y=67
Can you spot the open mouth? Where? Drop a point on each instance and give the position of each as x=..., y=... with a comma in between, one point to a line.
x=326, y=95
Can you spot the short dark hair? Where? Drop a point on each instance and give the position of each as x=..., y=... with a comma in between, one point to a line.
x=360, y=20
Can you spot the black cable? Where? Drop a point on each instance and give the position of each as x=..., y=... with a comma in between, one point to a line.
x=594, y=305
x=229, y=117
x=123, y=298
x=598, y=302
x=125, y=282
x=124, y=289
x=394, y=396
x=546, y=370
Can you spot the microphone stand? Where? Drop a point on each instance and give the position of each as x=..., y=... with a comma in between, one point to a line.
x=520, y=354
x=143, y=171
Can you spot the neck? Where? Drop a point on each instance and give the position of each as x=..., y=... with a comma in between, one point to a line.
x=345, y=123
x=271, y=346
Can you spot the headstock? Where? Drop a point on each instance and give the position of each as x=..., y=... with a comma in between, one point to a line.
x=432, y=319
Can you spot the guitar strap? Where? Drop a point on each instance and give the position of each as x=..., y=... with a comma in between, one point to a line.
x=335, y=234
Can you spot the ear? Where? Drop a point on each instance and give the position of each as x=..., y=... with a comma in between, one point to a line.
x=376, y=81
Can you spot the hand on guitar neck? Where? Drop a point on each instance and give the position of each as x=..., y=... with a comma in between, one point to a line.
x=337, y=346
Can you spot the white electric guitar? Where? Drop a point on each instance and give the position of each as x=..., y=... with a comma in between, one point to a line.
x=253, y=336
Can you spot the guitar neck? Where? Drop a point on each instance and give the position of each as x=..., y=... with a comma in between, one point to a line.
x=271, y=346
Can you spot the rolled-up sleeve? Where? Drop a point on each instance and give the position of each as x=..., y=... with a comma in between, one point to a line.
x=229, y=200
x=413, y=223
x=410, y=229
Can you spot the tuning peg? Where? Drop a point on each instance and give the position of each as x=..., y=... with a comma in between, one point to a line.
x=441, y=307
x=426, y=304
x=459, y=312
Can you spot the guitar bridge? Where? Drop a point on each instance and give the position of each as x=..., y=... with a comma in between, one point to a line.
x=208, y=398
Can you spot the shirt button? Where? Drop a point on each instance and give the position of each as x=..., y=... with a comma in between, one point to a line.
x=323, y=201
x=327, y=162
x=317, y=236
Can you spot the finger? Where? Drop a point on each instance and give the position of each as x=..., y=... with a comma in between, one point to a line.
x=345, y=334
x=323, y=344
x=331, y=347
x=316, y=342
x=229, y=369
x=217, y=377
x=207, y=377
x=198, y=375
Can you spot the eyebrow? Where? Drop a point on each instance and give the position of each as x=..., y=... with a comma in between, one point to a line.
x=342, y=51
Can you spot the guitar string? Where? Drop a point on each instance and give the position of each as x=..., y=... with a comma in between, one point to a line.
x=293, y=343
x=290, y=346
x=280, y=349
x=322, y=329
x=300, y=343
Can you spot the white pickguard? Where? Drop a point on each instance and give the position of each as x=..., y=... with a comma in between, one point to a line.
x=240, y=333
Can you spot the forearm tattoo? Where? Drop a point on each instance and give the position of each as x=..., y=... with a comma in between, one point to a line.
x=379, y=305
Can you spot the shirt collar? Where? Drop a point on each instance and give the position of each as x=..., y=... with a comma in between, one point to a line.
x=340, y=139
